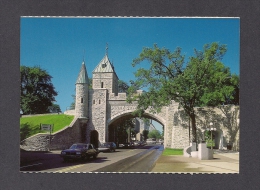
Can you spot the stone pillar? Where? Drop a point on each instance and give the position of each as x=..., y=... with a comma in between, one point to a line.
x=193, y=146
x=204, y=153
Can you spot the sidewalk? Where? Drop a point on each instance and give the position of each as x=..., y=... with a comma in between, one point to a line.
x=222, y=163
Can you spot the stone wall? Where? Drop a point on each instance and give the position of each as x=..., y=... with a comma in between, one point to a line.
x=81, y=100
x=59, y=140
x=227, y=126
x=97, y=114
x=119, y=96
x=109, y=81
x=69, y=112
x=38, y=142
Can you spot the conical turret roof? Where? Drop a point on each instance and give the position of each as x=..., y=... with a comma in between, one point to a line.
x=83, y=75
x=104, y=66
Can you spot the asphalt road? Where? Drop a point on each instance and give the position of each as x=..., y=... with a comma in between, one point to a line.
x=140, y=159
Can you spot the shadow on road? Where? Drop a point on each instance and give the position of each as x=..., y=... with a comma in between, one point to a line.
x=44, y=160
x=38, y=161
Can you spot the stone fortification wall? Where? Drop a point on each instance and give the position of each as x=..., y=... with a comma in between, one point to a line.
x=69, y=112
x=108, y=80
x=81, y=100
x=59, y=140
x=226, y=125
x=180, y=134
x=38, y=142
x=169, y=125
x=119, y=108
x=120, y=96
x=97, y=114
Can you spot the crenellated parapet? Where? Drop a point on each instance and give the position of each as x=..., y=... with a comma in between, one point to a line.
x=119, y=96
x=98, y=111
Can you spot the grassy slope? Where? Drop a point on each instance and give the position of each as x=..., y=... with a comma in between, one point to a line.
x=170, y=151
x=31, y=125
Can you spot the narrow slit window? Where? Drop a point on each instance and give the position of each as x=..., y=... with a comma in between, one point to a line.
x=81, y=100
x=102, y=84
x=99, y=101
x=93, y=101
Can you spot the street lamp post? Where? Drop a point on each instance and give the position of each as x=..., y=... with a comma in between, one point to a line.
x=211, y=129
x=203, y=132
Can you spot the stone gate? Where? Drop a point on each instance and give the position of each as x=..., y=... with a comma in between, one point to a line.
x=99, y=108
x=104, y=104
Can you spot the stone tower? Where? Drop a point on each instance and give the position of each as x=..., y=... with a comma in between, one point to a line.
x=105, y=77
x=81, y=102
x=104, y=83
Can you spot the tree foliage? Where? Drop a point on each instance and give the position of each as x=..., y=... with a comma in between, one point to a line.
x=122, y=86
x=145, y=134
x=123, y=129
x=154, y=134
x=231, y=122
x=72, y=105
x=54, y=108
x=37, y=90
x=203, y=80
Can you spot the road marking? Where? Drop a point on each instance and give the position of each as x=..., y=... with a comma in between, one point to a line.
x=31, y=165
x=70, y=168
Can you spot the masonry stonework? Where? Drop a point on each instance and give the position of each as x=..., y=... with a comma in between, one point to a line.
x=97, y=108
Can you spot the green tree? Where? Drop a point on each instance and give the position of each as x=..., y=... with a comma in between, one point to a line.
x=154, y=134
x=145, y=134
x=37, y=90
x=203, y=80
x=122, y=86
x=90, y=83
x=234, y=99
x=72, y=105
x=124, y=129
x=54, y=108
x=24, y=131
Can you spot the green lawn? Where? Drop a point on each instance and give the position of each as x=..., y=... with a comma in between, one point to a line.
x=171, y=151
x=31, y=125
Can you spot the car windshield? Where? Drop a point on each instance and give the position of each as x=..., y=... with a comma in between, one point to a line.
x=77, y=146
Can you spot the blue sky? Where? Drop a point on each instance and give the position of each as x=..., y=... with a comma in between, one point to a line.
x=57, y=44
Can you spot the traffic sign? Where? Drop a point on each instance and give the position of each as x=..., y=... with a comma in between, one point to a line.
x=46, y=127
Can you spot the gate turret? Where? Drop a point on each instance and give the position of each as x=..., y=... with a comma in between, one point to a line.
x=81, y=101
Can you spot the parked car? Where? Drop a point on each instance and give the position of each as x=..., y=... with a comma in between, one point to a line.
x=161, y=141
x=79, y=151
x=120, y=145
x=128, y=145
x=107, y=147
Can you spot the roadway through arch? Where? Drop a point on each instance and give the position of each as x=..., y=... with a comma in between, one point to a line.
x=118, y=134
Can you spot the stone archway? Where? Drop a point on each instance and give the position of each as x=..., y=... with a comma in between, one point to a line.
x=217, y=138
x=128, y=114
x=94, y=138
x=114, y=123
